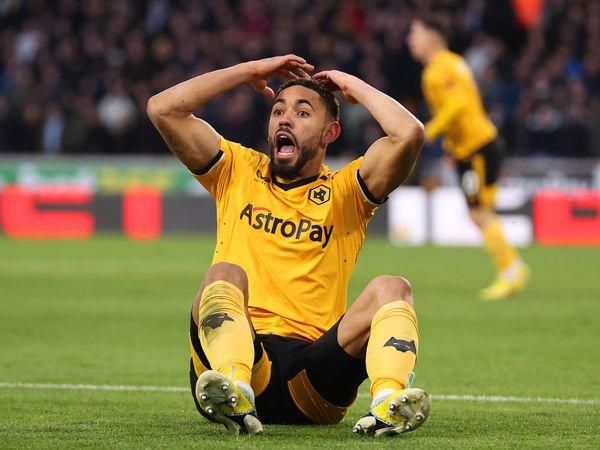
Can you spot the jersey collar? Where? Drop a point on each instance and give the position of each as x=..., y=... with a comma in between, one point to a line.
x=295, y=184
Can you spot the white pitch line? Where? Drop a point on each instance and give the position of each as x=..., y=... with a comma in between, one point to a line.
x=498, y=398
x=463, y=398
x=93, y=387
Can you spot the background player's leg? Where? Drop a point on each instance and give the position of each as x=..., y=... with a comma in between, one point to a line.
x=485, y=169
x=223, y=325
x=512, y=272
x=502, y=253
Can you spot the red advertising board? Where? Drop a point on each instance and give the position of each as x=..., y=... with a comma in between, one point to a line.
x=54, y=212
x=22, y=217
x=562, y=218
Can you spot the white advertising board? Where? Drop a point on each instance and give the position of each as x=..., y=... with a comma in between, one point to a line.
x=416, y=217
x=407, y=216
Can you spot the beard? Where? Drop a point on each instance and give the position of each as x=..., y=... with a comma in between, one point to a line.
x=290, y=170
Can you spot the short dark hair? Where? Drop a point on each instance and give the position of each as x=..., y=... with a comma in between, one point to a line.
x=331, y=103
x=438, y=23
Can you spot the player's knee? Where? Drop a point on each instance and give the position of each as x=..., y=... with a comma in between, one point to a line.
x=231, y=273
x=474, y=215
x=390, y=288
x=480, y=216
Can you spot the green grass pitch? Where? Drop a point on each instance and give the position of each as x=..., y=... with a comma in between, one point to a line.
x=113, y=312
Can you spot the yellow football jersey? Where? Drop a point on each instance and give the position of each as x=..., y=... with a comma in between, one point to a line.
x=458, y=113
x=297, y=242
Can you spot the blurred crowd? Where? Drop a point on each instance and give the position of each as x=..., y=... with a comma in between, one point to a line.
x=75, y=76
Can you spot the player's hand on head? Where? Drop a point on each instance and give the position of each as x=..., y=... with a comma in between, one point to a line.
x=336, y=80
x=286, y=66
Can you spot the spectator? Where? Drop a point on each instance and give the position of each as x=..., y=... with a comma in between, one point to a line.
x=52, y=130
x=75, y=76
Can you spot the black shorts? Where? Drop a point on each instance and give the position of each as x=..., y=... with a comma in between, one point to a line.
x=479, y=173
x=309, y=382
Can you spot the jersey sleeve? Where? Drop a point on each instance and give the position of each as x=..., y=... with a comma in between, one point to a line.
x=232, y=162
x=355, y=192
x=444, y=86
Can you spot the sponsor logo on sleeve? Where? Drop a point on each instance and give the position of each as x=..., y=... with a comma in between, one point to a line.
x=261, y=177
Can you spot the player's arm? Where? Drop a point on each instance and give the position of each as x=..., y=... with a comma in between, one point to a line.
x=190, y=138
x=389, y=160
x=453, y=102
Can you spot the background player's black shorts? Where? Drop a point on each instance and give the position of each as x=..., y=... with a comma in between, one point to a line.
x=479, y=173
x=333, y=374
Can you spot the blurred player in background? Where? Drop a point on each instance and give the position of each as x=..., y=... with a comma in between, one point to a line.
x=270, y=317
x=471, y=140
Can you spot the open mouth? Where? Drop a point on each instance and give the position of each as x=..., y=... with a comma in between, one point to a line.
x=285, y=144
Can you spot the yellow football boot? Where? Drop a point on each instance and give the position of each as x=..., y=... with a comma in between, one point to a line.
x=503, y=287
x=395, y=412
x=227, y=402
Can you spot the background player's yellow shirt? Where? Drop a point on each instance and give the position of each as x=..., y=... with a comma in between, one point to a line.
x=455, y=103
x=297, y=242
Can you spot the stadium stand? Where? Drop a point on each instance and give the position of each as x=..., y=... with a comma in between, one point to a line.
x=75, y=76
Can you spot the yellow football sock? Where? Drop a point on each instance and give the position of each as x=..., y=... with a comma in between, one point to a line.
x=502, y=253
x=224, y=331
x=393, y=345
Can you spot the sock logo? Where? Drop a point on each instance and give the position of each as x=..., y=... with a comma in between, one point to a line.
x=401, y=346
x=215, y=320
